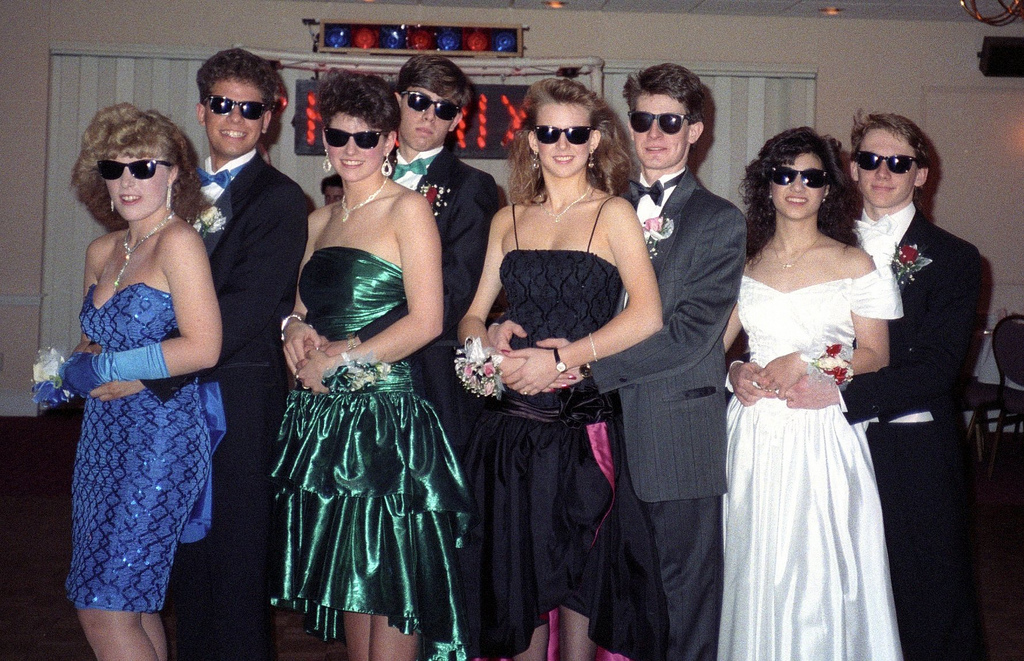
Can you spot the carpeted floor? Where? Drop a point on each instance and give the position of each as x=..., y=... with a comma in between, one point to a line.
x=38, y=624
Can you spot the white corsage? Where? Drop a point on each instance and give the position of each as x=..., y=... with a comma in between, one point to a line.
x=833, y=364
x=47, y=389
x=657, y=229
x=357, y=374
x=479, y=369
x=210, y=221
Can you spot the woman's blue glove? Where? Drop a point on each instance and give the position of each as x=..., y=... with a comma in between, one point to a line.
x=77, y=374
x=83, y=372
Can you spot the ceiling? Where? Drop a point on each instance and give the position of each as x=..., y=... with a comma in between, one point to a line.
x=936, y=10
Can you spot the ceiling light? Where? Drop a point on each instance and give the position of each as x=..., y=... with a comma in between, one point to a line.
x=1011, y=10
x=831, y=11
x=554, y=4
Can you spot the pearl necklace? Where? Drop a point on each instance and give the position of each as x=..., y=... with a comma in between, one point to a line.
x=561, y=213
x=348, y=212
x=129, y=250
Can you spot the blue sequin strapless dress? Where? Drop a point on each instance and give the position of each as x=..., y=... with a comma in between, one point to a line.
x=140, y=466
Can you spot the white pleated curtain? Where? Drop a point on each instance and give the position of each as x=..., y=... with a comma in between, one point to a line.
x=748, y=107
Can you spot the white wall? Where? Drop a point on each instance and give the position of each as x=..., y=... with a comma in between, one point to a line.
x=925, y=70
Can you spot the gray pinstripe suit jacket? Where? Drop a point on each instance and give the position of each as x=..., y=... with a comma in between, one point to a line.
x=672, y=383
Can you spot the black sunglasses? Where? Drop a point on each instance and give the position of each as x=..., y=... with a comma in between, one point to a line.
x=812, y=177
x=548, y=135
x=668, y=122
x=339, y=138
x=112, y=170
x=222, y=105
x=419, y=102
x=898, y=163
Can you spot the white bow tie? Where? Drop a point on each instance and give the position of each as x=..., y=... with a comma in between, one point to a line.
x=881, y=227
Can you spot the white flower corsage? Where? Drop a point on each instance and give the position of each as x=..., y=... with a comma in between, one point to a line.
x=479, y=369
x=655, y=230
x=906, y=261
x=357, y=374
x=833, y=364
x=47, y=390
x=210, y=221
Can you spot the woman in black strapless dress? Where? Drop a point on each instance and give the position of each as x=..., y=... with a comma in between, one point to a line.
x=540, y=461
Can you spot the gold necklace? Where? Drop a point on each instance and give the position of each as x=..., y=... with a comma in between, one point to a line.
x=348, y=212
x=792, y=263
x=129, y=250
x=561, y=213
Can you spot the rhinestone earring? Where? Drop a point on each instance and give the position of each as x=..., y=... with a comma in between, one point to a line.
x=386, y=168
x=327, y=164
x=168, y=197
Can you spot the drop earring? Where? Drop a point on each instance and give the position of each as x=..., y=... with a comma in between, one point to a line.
x=327, y=164
x=111, y=204
x=386, y=168
x=590, y=161
x=535, y=160
x=168, y=197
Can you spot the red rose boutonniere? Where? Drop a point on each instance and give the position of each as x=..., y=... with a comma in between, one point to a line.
x=906, y=261
x=435, y=196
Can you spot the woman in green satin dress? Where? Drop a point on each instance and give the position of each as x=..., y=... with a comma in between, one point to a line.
x=369, y=497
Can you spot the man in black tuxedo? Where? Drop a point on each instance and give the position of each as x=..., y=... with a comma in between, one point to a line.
x=433, y=94
x=914, y=429
x=219, y=582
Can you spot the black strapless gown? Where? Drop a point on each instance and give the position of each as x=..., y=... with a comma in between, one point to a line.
x=370, y=499
x=534, y=461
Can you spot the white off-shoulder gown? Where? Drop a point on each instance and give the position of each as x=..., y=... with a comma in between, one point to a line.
x=806, y=571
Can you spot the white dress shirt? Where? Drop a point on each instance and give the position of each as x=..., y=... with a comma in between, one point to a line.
x=646, y=208
x=411, y=180
x=212, y=191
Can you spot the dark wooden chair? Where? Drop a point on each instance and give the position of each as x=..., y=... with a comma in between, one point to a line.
x=1008, y=348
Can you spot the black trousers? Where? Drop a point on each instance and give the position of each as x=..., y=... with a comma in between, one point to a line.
x=920, y=474
x=219, y=583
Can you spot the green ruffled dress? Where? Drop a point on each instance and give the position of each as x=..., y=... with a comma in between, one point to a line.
x=369, y=498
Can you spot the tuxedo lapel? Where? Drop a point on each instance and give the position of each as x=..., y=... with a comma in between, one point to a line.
x=233, y=201
x=673, y=210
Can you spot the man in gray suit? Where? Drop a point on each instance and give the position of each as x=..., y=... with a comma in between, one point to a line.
x=672, y=477
x=671, y=384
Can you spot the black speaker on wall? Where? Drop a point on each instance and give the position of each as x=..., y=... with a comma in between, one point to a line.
x=1002, y=56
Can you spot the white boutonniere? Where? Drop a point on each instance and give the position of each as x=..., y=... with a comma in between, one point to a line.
x=906, y=261
x=210, y=221
x=435, y=196
x=657, y=229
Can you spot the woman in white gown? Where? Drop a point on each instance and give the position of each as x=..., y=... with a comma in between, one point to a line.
x=806, y=572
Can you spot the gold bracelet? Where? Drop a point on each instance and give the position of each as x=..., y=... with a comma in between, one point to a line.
x=593, y=349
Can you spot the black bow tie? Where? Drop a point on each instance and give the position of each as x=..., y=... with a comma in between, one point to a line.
x=657, y=191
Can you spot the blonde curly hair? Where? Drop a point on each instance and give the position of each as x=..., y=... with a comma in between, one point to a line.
x=123, y=129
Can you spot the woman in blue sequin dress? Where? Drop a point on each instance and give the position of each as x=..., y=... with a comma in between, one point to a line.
x=541, y=458
x=141, y=462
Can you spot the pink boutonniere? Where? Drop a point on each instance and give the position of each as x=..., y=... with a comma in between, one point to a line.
x=656, y=229
x=906, y=261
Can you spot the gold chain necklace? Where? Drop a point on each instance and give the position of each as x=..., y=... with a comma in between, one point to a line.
x=561, y=213
x=348, y=212
x=128, y=251
x=790, y=264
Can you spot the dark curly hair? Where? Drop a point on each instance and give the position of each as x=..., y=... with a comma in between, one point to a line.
x=124, y=129
x=673, y=81
x=364, y=96
x=837, y=213
x=611, y=158
x=439, y=75
x=239, y=64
